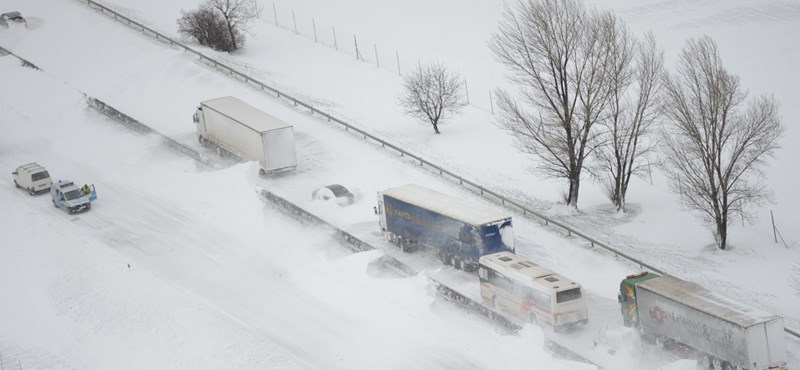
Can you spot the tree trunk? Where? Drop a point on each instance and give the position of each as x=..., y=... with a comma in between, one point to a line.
x=722, y=235
x=435, y=127
x=574, y=186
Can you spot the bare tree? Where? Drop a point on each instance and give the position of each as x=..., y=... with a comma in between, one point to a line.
x=637, y=68
x=237, y=15
x=715, y=149
x=432, y=93
x=205, y=26
x=556, y=52
x=219, y=24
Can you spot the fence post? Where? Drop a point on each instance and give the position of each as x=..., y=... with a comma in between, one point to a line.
x=355, y=43
x=491, y=103
x=294, y=20
x=314, y=24
x=774, y=233
x=275, y=14
x=466, y=90
x=396, y=53
x=335, y=45
x=377, y=61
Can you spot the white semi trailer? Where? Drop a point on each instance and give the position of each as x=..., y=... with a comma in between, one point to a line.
x=248, y=132
x=725, y=334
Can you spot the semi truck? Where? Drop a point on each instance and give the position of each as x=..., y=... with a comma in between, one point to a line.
x=247, y=132
x=723, y=334
x=412, y=216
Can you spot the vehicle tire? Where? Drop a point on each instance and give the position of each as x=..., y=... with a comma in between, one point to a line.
x=201, y=140
x=704, y=361
x=262, y=172
x=54, y=203
x=31, y=191
x=89, y=206
x=443, y=257
x=462, y=265
x=661, y=342
x=727, y=366
x=453, y=261
x=716, y=364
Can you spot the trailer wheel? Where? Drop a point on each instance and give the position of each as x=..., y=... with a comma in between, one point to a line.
x=453, y=261
x=705, y=361
x=443, y=257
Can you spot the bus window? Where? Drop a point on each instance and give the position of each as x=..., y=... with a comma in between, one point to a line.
x=568, y=295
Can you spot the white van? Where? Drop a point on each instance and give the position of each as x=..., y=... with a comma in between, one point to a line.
x=32, y=177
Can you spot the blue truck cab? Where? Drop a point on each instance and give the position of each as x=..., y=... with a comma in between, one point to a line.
x=460, y=232
x=71, y=198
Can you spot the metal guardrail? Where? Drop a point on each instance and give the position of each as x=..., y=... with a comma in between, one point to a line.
x=486, y=193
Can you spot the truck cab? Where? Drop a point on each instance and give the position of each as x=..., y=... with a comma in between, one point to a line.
x=627, y=297
x=32, y=177
x=71, y=198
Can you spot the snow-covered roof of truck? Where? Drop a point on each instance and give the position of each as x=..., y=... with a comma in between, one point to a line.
x=247, y=114
x=446, y=205
x=697, y=297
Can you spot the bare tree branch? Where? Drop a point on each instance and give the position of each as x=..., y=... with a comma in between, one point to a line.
x=432, y=93
x=637, y=69
x=715, y=149
x=556, y=52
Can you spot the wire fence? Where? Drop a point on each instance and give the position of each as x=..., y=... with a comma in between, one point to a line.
x=9, y=363
x=363, y=49
x=471, y=185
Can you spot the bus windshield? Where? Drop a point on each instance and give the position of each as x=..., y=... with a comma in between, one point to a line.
x=568, y=295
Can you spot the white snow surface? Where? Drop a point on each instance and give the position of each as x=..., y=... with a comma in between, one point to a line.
x=180, y=266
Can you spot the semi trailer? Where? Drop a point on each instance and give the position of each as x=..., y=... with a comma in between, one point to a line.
x=724, y=334
x=460, y=232
x=247, y=132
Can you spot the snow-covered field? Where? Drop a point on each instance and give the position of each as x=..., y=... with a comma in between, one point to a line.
x=218, y=279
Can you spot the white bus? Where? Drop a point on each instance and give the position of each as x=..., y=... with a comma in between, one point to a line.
x=531, y=292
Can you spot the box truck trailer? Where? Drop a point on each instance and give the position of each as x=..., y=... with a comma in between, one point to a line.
x=461, y=232
x=247, y=132
x=723, y=333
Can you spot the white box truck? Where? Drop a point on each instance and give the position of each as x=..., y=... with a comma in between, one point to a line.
x=248, y=132
x=725, y=334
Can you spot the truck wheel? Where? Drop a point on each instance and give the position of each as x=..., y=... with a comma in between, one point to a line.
x=727, y=366
x=201, y=140
x=453, y=261
x=443, y=257
x=716, y=364
x=31, y=191
x=704, y=361
x=54, y=203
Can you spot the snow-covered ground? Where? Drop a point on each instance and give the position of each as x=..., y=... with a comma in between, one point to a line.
x=231, y=283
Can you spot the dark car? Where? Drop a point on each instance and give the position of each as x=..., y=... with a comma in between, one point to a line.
x=338, y=192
